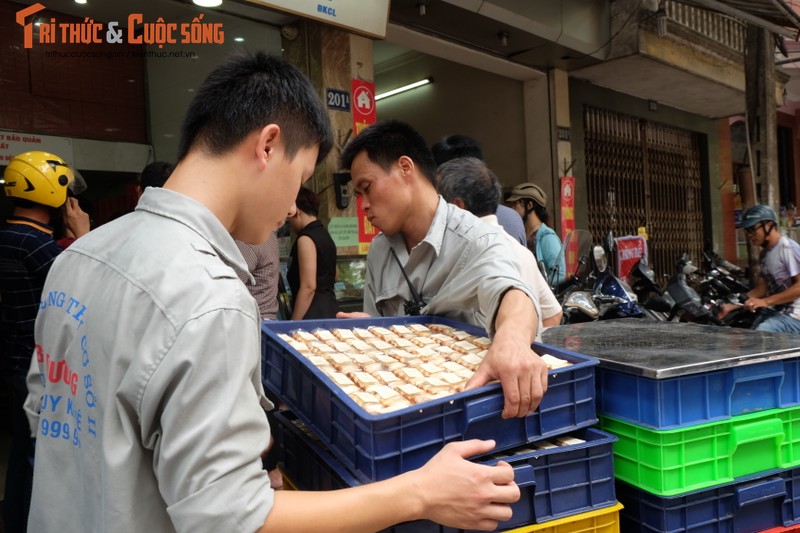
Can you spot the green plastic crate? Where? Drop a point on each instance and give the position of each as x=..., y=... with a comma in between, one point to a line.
x=672, y=462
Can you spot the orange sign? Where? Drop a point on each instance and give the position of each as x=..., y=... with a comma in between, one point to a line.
x=139, y=31
x=28, y=28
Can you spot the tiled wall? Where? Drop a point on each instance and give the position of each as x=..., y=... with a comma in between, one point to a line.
x=94, y=91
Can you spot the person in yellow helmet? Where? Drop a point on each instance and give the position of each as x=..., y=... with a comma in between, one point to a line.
x=39, y=185
x=40, y=178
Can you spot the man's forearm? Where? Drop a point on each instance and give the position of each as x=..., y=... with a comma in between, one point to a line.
x=784, y=297
x=517, y=314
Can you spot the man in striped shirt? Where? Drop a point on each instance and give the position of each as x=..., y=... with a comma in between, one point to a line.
x=37, y=185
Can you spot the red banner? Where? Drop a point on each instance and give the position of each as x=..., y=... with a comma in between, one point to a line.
x=567, y=205
x=364, y=114
x=366, y=231
x=363, y=102
x=629, y=251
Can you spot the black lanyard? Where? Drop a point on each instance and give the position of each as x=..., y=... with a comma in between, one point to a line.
x=411, y=307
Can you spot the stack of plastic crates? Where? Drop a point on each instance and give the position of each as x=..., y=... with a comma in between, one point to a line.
x=715, y=452
x=330, y=442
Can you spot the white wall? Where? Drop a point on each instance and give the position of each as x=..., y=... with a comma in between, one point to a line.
x=171, y=82
x=461, y=100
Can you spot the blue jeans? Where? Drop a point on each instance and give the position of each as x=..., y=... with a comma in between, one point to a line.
x=776, y=322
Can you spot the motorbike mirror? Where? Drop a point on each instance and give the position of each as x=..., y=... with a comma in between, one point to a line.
x=600, y=258
x=583, y=301
x=542, y=268
x=645, y=270
x=689, y=268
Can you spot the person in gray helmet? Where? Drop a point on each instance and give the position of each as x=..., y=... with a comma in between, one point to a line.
x=776, y=296
x=530, y=201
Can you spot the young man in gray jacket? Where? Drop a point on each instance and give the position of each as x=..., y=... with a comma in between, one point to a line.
x=147, y=382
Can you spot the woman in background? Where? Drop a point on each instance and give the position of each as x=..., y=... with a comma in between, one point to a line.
x=312, y=263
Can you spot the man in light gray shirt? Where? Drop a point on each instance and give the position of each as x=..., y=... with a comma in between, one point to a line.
x=459, y=267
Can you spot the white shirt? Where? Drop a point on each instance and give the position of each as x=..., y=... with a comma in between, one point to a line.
x=531, y=275
x=779, y=266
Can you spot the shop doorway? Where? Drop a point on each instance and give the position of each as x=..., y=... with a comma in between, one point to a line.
x=641, y=173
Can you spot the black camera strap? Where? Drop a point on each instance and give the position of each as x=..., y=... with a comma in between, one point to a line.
x=418, y=302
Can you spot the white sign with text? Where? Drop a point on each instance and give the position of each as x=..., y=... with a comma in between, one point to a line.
x=15, y=142
x=360, y=16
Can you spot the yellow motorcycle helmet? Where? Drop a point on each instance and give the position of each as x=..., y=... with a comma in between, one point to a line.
x=42, y=178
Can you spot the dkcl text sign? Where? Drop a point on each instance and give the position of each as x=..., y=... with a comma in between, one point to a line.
x=367, y=17
x=138, y=31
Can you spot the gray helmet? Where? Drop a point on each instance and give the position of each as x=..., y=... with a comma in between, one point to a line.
x=528, y=191
x=756, y=214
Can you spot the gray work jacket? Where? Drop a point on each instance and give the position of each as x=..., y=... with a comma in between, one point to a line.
x=147, y=380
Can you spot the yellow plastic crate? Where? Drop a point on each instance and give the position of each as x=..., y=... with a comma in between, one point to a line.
x=604, y=520
x=600, y=521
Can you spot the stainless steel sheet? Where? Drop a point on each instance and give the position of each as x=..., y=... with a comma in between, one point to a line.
x=667, y=349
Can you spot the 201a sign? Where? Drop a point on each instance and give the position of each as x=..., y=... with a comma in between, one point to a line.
x=336, y=99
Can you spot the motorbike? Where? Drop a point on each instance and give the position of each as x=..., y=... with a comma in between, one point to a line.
x=656, y=303
x=733, y=274
x=720, y=286
x=577, y=301
x=591, y=291
x=700, y=295
x=725, y=273
x=613, y=290
x=689, y=306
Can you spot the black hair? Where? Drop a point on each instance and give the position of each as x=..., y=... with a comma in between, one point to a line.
x=386, y=142
x=155, y=174
x=455, y=146
x=248, y=92
x=540, y=210
x=471, y=180
x=307, y=201
x=23, y=203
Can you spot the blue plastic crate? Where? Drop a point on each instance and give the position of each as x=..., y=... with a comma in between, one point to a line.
x=308, y=465
x=676, y=402
x=376, y=447
x=754, y=503
x=554, y=483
